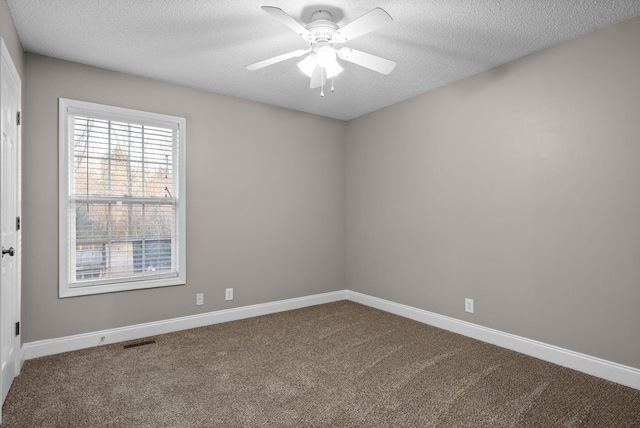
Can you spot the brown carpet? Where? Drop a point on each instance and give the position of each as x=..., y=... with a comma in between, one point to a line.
x=335, y=365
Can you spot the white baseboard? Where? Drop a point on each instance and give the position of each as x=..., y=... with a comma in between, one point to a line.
x=614, y=372
x=46, y=347
x=604, y=369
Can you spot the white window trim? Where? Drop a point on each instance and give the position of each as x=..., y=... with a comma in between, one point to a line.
x=65, y=288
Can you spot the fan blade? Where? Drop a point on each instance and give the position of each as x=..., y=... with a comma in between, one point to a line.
x=318, y=78
x=372, y=62
x=287, y=20
x=264, y=63
x=368, y=22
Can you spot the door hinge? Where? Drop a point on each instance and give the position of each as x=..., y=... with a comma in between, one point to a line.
x=19, y=117
x=18, y=223
x=18, y=328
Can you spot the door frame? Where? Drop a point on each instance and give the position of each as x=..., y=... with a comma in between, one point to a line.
x=6, y=57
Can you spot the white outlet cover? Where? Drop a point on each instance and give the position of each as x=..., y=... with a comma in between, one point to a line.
x=468, y=305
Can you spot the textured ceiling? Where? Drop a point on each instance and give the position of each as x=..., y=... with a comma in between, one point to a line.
x=205, y=44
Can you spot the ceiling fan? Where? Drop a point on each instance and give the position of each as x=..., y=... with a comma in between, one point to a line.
x=322, y=35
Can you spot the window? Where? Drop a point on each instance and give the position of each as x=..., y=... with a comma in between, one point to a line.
x=122, y=199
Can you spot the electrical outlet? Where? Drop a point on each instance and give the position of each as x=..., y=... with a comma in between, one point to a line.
x=468, y=305
x=228, y=294
x=200, y=299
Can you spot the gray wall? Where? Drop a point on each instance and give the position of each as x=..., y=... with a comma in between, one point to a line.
x=265, y=208
x=518, y=188
x=10, y=36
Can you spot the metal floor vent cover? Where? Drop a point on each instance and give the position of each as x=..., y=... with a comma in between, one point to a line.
x=134, y=345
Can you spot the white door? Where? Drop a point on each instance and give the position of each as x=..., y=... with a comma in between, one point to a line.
x=10, y=87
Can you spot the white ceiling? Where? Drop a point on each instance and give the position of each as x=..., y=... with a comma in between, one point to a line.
x=205, y=44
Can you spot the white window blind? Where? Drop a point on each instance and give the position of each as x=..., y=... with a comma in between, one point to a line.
x=123, y=199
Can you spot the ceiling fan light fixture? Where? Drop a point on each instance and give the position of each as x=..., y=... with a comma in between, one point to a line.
x=333, y=69
x=307, y=65
x=321, y=35
x=326, y=56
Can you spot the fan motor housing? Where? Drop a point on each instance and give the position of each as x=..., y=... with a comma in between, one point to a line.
x=321, y=26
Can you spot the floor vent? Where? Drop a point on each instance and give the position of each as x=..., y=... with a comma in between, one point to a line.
x=133, y=345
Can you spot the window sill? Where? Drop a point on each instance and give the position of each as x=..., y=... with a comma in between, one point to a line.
x=67, y=291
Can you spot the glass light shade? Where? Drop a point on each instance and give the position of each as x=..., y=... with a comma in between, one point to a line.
x=333, y=69
x=307, y=65
x=326, y=56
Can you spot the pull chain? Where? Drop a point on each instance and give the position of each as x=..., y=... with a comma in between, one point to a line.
x=332, y=84
x=322, y=82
